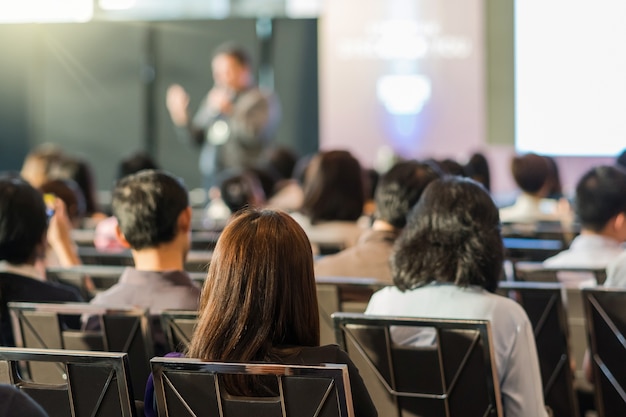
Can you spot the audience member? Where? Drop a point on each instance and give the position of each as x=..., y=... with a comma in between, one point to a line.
x=334, y=196
x=105, y=237
x=72, y=196
x=531, y=173
x=242, y=190
x=446, y=264
x=554, y=189
x=38, y=163
x=14, y=402
x=398, y=191
x=451, y=167
x=79, y=171
x=601, y=209
x=259, y=303
x=135, y=162
x=477, y=168
x=24, y=230
x=154, y=221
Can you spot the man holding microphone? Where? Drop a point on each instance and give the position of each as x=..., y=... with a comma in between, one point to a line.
x=235, y=121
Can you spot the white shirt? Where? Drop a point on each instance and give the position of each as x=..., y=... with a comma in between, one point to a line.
x=514, y=344
x=587, y=251
x=616, y=272
x=529, y=209
x=592, y=251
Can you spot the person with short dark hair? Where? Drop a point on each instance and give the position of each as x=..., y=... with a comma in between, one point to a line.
x=600, y=206
x=25, y=229
x=154, y=221
x=259, y=303
x=235, y=121
x=532, y=174
x=446, y=264
x=397, y=192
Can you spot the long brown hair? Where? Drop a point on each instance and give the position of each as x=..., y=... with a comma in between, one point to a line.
x=259, y=298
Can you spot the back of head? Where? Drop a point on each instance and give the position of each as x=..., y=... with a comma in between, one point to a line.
x=333, y=187
x=282, y=160
x=400, y=188
x=70, y=193
x=260, y=291
x=135, y=163
x=452, y=236
x=530, y=172
x=23, y=221
x=241, y=190
x=79, y=171
x=451, y=167
x=39, y=162
x=600, y=196
x=477, y=168
x=147, y=206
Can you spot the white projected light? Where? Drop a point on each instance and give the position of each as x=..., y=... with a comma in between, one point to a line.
x=403, y=94
x=570, y=88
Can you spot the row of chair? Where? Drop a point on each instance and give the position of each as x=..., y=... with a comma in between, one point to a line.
x=99, y=384
x=389, y=370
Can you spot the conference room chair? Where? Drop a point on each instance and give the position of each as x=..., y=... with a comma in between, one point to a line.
x=606, y=330
x=572, y=280
x=543, y=303
x=44, y=326
x=349, y=294
x=178, y=326
x=189, y=387
x=457, y=375
x=93, y=384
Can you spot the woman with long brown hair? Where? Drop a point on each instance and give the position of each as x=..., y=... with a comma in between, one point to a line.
x=259, y=303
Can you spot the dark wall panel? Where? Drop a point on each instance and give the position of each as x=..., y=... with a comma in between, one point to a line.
x=16, y=56
x=295, y=82
x=91, y=94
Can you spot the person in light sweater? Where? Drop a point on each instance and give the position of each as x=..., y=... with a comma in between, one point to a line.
x=446, y=264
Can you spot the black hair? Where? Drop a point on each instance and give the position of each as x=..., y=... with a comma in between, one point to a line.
x=238, y=190
x=147, y=205
x=600, y=196
x=23, y=220
x=400, y=188
x=452, y=236
x=477, y=168
x=135, y=163
x=530, y=172
x=235, y=51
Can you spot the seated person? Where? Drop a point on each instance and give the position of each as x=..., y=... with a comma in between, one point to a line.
x=263, y=256
x=601, y=210
x=25, y=231
x=446, y=264
x=154, y=221
x=334, y=197
x=397, y=192
x=532, y=175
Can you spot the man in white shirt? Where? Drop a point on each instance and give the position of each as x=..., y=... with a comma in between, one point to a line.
x=601, y=209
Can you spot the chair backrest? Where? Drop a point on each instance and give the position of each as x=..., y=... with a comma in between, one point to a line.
x=451, y=375
x=543, y=303
x=94, y=384
x=178, y=326
x=606, y=330
x=43, y=326
x=331, y=298
x=188, y=387
x=536, y=272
